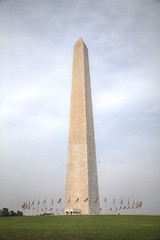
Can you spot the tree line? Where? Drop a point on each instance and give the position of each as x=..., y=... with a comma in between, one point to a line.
x=6, y=213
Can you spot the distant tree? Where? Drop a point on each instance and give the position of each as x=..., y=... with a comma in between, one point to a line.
x=5, y=212
x=12, y=213
x=19, y=213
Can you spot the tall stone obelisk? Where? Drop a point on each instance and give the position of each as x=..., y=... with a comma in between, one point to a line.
x=82, y=183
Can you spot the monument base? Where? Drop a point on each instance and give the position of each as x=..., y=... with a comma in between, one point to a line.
x=73, y=211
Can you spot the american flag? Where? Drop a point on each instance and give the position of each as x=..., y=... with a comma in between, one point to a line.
x=86, y=200
x=105, y=200
x=137, y=204
x=23, y=206
x=59, y=200
x=77, y=200
x=133, y=203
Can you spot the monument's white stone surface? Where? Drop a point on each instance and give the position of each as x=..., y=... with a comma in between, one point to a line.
x=82, y=179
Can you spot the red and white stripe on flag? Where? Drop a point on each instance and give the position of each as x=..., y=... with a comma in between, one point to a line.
x=59, y=200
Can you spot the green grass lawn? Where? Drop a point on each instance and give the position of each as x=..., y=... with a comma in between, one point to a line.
x=80, y=227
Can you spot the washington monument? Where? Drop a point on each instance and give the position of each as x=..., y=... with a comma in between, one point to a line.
x=82, y=196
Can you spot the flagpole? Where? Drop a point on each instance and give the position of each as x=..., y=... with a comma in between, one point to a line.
x=106, y=206
x=60, y=209
x=23, y=206
x=37, y=210
x=114, y=211
x=45, y=206
x=29, y=210
x=52, y=206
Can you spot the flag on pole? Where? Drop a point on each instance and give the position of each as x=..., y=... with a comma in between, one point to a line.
x=120, y=208
x=86, y=200
x=77, y=200
x=140, y=205
x=133, y=203
x=137, y=204
x=96, y=200
x=59, y=200
x=23, y=206
x=124, y=207
x=105, y=200
x=128, y=201
x=44, y=202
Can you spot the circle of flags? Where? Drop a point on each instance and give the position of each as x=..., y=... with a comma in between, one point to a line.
x=45, y=207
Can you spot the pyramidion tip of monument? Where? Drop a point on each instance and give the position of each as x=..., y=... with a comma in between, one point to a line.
x=80, y=41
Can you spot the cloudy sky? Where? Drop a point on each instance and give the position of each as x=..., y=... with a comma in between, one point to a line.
x=36, y=49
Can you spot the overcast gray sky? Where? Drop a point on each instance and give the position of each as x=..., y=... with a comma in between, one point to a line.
x=36, y=49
